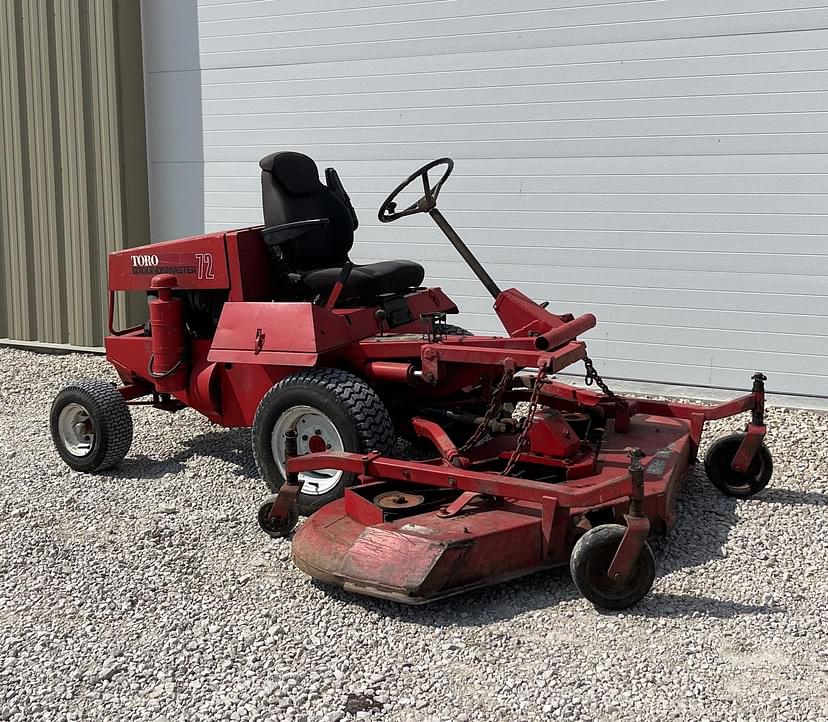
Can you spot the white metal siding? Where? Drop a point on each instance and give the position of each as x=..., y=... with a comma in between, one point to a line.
x=661, y=163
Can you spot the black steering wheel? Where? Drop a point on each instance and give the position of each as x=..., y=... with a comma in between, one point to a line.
x=388, y=210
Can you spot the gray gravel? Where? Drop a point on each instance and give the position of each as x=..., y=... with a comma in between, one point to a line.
x=149, y=593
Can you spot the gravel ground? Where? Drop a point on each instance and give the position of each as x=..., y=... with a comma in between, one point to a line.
x=149, y=593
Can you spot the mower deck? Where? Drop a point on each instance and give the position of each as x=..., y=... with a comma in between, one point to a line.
x=416, y=554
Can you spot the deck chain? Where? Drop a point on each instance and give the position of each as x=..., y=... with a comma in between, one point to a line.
x=527, y=421
x=494, y=407
x=592, y=376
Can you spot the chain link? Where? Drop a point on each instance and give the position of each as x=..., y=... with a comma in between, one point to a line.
x=494, y=407
x=527, y=421
x=592, y=376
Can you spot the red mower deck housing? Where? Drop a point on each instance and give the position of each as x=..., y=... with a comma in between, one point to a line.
x=455, y=528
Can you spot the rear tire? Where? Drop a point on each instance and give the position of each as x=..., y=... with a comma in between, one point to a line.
x=331, y=409
x=91, y=425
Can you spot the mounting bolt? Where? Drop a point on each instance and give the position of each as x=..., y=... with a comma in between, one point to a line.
x=429, y=353
x=635, y=458
x=636, y=481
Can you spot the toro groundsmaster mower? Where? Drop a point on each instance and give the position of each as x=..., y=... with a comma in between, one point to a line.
x=432, y=461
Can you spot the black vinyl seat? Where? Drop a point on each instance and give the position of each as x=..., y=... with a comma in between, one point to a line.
x=310, y=226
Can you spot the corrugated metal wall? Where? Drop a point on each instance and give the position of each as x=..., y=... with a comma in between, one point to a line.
x=73, y=171
x=662, y=164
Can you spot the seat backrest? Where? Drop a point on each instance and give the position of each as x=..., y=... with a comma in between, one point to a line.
x=292, y=191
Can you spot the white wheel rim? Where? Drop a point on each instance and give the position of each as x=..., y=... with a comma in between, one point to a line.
x=311, y=426
x=76, y=430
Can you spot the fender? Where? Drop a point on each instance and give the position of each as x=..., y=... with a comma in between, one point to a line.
x=291, y=334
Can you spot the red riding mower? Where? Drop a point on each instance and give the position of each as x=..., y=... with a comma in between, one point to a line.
x=432, y=461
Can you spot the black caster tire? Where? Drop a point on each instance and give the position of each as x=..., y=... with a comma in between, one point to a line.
x=590, y=560
x=717, y=463
x=331, y=410
x=91, y=425
x=276, y=528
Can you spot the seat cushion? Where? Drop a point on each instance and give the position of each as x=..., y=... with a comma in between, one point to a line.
x=372, y=279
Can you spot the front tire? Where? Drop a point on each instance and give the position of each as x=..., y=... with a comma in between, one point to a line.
x=91, y=425
x=451, y=330
x=590, y=562
x=332, y=410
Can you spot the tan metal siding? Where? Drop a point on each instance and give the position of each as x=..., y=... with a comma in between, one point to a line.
x=73, y=177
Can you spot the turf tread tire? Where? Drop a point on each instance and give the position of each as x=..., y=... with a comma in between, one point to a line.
x=452, y=330
x=360, y=403
x=110, y=417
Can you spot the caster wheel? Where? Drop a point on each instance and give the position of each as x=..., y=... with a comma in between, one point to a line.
x=277, y=528
x=717, y=463
x=590, y=561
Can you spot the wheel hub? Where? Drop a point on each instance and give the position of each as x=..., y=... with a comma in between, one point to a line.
x=76, y=430
x=315, y=433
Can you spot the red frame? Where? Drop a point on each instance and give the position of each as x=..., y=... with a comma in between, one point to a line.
x=258, y=342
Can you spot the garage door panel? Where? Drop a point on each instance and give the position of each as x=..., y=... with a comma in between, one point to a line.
x=399, y=167
x=783, y=49
x=534, y=202
x=699, y=338
x=381, y=95
x=467, y=16
x=689, y=127
x=721, y=109
x=717, y=321
x=635, y=221
x=706, y=356
x=544, y=259
x=475, y=34
x=645, y=297
x=717, y=377
x=365, y=190
x=601, y=283
x=495, y=71
x=415, y=152
x=618, y=22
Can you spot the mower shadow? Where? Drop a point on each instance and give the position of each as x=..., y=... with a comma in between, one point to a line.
x=658, y=605
x=793, y=497
x=704, y=521
x=231, y=446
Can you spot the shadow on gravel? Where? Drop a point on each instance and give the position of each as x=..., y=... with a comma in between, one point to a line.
x=498, y=603
x=658, y=605
x=793, y=497
x=231, y=446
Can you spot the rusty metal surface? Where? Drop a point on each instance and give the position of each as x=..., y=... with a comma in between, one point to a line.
x=398, y=500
